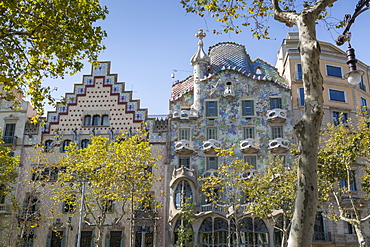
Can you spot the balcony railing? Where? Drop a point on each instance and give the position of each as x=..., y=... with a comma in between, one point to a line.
x=214, y=207
x=321, y=237
x=10, y=140
x=4, y=208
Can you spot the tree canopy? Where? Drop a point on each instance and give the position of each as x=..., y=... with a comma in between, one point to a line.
x=46, y=38
x=118, y=177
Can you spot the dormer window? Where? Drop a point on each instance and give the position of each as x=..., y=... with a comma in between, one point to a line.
x=260, y=71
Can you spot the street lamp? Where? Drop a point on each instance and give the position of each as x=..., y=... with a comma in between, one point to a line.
x=81, y=208
x=354, y=75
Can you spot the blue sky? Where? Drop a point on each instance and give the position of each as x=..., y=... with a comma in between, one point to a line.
x=147, y=41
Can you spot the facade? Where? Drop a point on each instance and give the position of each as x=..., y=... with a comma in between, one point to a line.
x=228, y=100
x=15, y=127
x=99, y=106
x=341, y=102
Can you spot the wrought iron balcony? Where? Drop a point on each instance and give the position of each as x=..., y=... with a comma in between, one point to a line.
x=321, y=237
x=10, y=140
x=4, y=208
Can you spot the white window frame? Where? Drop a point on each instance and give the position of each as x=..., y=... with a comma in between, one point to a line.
x=213, y=135
x=341, y=90
x=273, y=135
x=255, y=159
x=336, y=66
x=253, y=132
x=208, y=167
x=182, y=134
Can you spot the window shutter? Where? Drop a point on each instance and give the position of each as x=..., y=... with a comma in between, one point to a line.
x=48, y=240
x=107, y=240
x=122, y=241
x=63, y=244
x=92, y=243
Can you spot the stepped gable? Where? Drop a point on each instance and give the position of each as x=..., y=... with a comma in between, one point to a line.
x=99, y=93
x=182, y=87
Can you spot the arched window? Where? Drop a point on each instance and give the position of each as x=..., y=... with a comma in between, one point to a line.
x=186, y=229
x=96, y=120
x=65, y=145
x=183, y=194
x=85, y=143
x=87, y=120
x=217, y=237
x=104, y=120
x=253, y=232
x=48, y=145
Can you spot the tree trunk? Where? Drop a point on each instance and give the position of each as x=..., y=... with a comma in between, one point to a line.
x=361, y=236
x=307, y=131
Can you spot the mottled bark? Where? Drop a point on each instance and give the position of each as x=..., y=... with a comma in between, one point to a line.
x=361, y=236
x=307, y=131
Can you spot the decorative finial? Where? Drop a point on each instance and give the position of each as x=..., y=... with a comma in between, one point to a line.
x=200, y=35
x=200, y=55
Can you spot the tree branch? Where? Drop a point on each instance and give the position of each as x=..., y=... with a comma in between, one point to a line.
x=320, y=6
x=289, y=18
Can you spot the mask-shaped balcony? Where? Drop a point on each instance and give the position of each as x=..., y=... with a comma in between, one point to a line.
x=210, y=145
x=248, y=174
x=276, y=116
x=185, y=115
x=278, y=145
x=250, y=146
x=184, y=147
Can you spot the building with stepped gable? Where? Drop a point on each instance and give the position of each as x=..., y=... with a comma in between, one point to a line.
x=99, y=106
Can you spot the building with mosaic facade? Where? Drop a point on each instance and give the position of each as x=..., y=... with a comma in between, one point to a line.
x=342, y=101
x=229, y=100
x=99, y=106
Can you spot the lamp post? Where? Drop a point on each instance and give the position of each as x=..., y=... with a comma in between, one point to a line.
x=354, y=75
x=81, y=208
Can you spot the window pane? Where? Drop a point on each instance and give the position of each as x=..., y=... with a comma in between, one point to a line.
x=247, y=107
x=184, y=134
x=301, y=96
x=299, y=71
x=115, y=238
x=87, y=120
x=96, y=120
x=275, y=103
x=277, y=132
x=211, y=133
x=212, y=163
x=248, y=132
x=211, y=109
x=363, y=104
x=184, y=161
x=362, y=84
x=339, y=117
x=251, y=160
x=334, y=71
x=104, y=120
x=337, y=95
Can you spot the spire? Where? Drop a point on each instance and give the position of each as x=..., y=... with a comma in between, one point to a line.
x=200, y=55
